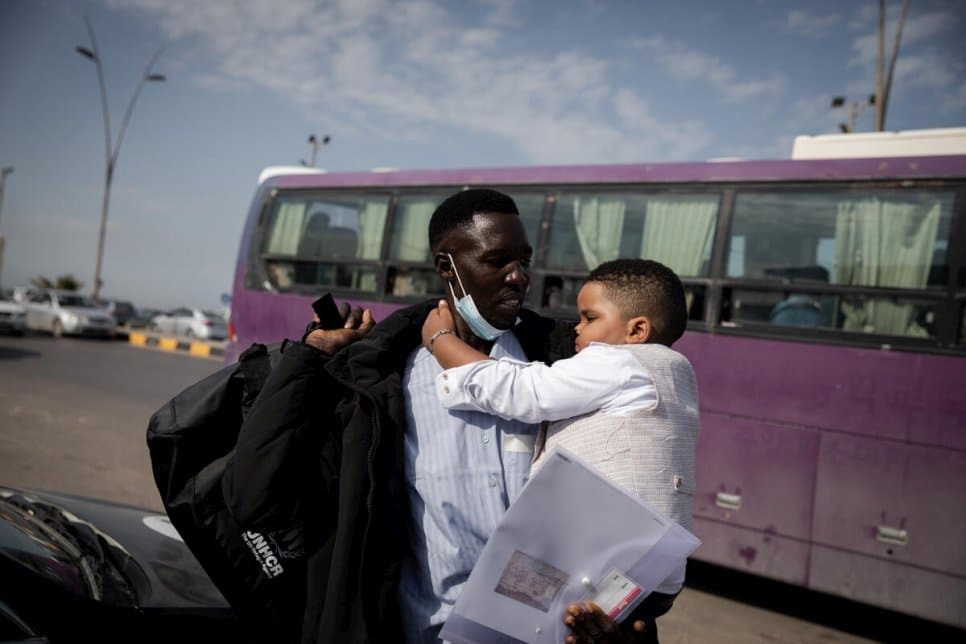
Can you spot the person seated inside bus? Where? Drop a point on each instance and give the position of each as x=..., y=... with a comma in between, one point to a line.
x=626, y=403
x=321, y=241
x=798, y=309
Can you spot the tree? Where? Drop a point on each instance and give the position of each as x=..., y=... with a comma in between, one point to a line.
x=63, y=283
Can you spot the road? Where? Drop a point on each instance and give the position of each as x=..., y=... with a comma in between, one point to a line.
x=73, y=415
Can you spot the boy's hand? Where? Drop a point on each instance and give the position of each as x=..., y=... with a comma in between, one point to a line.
x=590, y=625
x=439, y=318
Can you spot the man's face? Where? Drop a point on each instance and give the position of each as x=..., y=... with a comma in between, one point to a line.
x=493, y=260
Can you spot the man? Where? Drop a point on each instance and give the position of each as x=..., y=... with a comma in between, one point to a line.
x=397, y=497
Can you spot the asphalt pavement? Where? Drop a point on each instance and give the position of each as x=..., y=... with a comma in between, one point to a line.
x=73, y=415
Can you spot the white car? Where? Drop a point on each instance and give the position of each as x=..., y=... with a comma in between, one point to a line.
x=192, y=323
x=64, y=312
x=11, y=316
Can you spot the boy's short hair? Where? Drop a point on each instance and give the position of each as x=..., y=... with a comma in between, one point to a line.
x=643, y=287
x=457, y=211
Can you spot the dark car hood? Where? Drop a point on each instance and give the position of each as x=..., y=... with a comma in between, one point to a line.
x=169, y=576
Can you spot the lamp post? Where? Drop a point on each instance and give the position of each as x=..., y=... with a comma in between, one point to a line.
x=316, y=143
x=111, y=152
x=3, y=183
x=854, y=108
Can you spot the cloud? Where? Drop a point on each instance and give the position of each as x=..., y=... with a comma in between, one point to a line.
x=803, y=24
x=689, y=65
x=955, y=101
x=415, y=66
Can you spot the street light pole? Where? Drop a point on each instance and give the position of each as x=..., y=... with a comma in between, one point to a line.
x=111, y=154
x=316, y=143
x=3, y=183
x=854, y=108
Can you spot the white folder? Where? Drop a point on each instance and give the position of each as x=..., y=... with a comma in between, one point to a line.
x=572, y=535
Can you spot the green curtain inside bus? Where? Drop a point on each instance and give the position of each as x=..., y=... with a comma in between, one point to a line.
x=372, y=221
x=409, y=241
x=887, y=244
x=678, y=233
x=599, y=223
x=286, y=229
x=676, y=230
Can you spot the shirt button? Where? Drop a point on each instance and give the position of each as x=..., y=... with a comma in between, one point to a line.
x=445, y=390
x=445, y=376
x=486, y=439
x=492, y=480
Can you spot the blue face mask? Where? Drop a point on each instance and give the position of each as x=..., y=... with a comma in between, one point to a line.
x=466, y=307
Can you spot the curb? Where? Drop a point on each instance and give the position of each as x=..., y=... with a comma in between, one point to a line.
x=200, y=349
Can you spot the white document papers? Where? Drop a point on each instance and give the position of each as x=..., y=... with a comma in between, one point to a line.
x=571, y=536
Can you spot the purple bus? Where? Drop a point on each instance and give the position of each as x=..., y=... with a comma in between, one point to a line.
x=826, y=328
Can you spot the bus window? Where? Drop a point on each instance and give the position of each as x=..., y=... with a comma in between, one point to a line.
x=409, y=239
x=868, y=314
x=325, y=240
x=530, y=205
x=591, y=228
x=409, y=243
x=856, y=238
x=891, y=238
x=559, y=297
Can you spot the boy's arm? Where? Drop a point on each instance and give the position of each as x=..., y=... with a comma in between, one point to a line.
x=439, y=336
x=533, y=392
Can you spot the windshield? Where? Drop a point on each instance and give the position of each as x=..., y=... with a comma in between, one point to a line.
x=63, y=549
x=74, y=300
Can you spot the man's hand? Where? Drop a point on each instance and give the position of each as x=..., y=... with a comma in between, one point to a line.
x=439, y=318
x=358, y=322
x=589, y=625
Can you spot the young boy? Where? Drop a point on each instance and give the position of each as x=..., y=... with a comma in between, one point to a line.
x=626, y=403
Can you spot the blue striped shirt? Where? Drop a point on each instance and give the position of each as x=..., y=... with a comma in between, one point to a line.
x=463, y=469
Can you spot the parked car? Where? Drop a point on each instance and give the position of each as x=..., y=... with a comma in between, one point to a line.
x=121, y=310
x=12, y=319
x=78, y=570
x=65, y=312
x=143, y=317
x=21, y=293
x=192, y=323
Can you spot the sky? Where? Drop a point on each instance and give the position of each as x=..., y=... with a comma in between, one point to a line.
x=405, y=84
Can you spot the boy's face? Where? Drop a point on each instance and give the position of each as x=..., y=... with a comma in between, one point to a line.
x=600, y=319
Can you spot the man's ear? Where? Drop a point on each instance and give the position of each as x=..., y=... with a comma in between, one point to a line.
x=639, y=330
x=443, y=266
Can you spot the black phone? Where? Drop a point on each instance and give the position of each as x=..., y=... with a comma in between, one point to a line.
x=328, y=312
